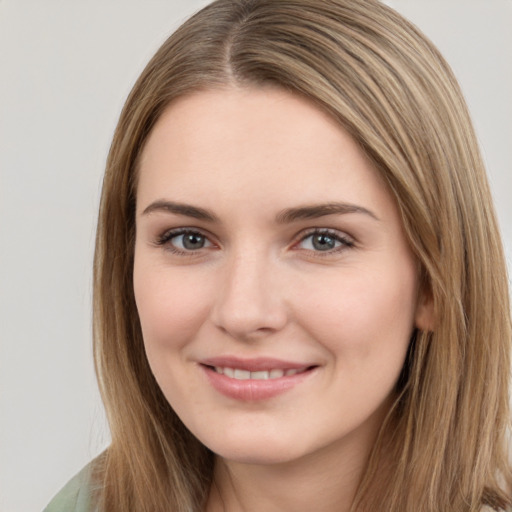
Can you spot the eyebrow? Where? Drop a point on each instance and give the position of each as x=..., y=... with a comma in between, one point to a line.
x=186, y=210
x=320, y=210
x=286, y=216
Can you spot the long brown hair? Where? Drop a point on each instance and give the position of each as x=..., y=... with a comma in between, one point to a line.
x=385, y=83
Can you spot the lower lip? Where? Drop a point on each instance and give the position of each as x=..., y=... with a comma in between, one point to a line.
x=251, y=390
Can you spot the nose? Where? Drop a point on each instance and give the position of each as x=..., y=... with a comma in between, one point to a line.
x=250, y=303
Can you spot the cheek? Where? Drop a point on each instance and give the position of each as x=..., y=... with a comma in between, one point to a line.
x=172, y=306
x=362, y=315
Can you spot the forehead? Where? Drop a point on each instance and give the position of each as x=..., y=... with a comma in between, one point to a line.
x=257, y=113
x=257, y=144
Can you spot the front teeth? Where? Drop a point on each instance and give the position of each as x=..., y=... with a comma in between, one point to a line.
x=235, y=373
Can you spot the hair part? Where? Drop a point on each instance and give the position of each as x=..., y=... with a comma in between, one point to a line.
x=442, y=446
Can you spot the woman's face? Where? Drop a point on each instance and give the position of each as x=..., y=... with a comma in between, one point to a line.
x=276, y=291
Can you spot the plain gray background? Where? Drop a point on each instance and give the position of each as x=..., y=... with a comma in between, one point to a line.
x=65, y=70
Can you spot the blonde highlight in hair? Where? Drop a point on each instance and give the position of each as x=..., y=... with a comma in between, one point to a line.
x=443, y=445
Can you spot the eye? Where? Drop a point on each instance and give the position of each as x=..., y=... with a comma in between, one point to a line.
x=324, y=241
x=184, y=240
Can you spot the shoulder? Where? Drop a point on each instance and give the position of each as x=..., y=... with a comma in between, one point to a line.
x=75, y=496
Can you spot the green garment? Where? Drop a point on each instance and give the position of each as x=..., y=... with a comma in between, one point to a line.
x=75, y=496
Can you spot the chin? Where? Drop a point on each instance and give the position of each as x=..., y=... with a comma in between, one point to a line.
x=260, y=450
x=257, y=457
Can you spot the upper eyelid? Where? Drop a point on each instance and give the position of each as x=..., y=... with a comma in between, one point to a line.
x=169, y=233
x=328, y=231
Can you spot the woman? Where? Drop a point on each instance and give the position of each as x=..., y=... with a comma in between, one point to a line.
x=300, y=294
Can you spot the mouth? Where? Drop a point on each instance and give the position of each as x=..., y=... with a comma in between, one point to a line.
x=241, y=374
x=255, y=379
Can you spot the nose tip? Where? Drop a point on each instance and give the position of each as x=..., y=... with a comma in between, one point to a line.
x=249, y=303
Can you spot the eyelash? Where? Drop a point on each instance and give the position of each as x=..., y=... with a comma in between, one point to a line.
x=164, y=240
x=345, y=242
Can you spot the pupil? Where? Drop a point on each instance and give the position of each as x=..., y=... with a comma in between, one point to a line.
x=193, y=241
x=323, y=242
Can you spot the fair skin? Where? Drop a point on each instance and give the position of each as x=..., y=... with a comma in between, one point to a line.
x=268, y=247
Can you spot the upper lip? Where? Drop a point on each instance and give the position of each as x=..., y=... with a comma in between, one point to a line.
x=254, y=364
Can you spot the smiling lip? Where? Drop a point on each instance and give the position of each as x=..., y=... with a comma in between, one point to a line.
x=254, y=379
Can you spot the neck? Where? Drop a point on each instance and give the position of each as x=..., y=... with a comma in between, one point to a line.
x=325, y=481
